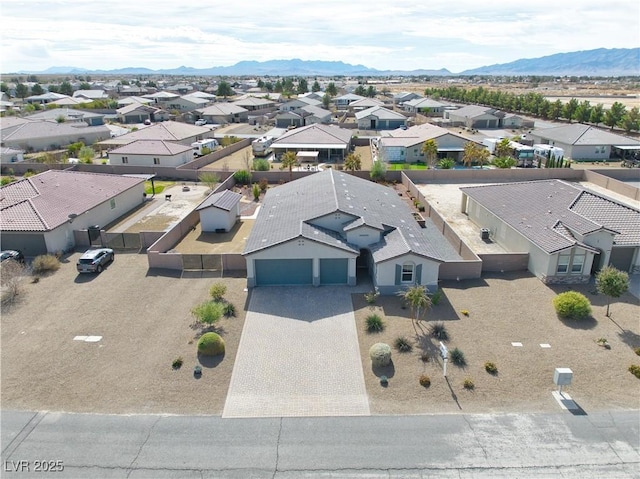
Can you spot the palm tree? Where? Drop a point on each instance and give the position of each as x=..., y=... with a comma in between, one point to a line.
x=352, y=162
x=418, y=299
x=289, y=160
x=430, y=150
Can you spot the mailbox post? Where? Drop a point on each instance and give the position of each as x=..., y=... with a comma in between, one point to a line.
x=444, y=352
x=562, y=377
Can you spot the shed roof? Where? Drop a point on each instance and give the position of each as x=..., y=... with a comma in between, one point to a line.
x=225, y=200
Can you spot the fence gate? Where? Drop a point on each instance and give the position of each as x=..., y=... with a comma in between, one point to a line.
x=208, y=262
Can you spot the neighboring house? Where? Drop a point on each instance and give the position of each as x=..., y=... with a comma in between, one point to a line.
x=10, y=155
x=511, y=120
x=405, y=146
x=583, y=142
x=162, y=98
x=6, y=105
x=137, y=113
x=45, y=98
x=297, y=103
x=569, y=232
x=134, y=99
x=476, y=116
x=50, y=135
x=221, y=113
x=289, y=118
x=312, y=95
x=307, y=115
x=426, y=106
x=331, y=142
x=343, y=102
x=151, y=153
x=40, y=214
x=131, y=90
x=253, y=103
x=68, y=101
x=91, y=95
x=276, y=97
x=405, y=96
x=380, y=118
x=365, y=103
x=173, y=131
x=69, y=115
x=219, y=212
x=186, y=103
x=323, y=228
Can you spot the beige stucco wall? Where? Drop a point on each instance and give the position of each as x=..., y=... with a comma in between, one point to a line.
x=385, y=273
x=212, y=218
x=147, y=160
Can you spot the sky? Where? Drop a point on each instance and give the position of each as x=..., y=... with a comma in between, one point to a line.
x=382, y=34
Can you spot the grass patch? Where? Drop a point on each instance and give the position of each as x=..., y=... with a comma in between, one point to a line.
x=405, y=166
x=159, y=186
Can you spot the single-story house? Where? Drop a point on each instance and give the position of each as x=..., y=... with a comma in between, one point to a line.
x=297, y=103
x=10, y=155
x=426, y=106
x=307, y=115
x=331, y=142
x=150, y=153
x=45, y=98
x=219, y=212
x=221, y=113
x=568, y=231
x=134, y=99
x=253, y=103
x=364, y=104
x=512, y=120
x=91, y=95
x=51, y=135
x=289, y=118
x=405, y=96
x=162, y=97
x=173, y=131
x=39, y=214
x=380, y=118
x=583, y=142
x=69, y=115
x=137, y=113
x=186, y=103
x=343, y=102
x=475, y=116
x=405, y=146
x=323, y=228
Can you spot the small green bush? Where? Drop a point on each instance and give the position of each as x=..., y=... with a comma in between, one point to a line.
x=402, y=344
x=211, y=344
x=572, y=305
x=229, y=310
x=263, y=184
x=436, y=297
x=256, y=191
x=425, y=381
x=177, y=363
x=439, y=331
x=491, y=368
x=374, y=323
x=45, y=263
x=371, y=297
x=457, y=357
x=217, y=291
x=208, y=312
x=468, y=384
x=242, y=177
x=380, y=354
x=637, y=351
x=261, y=164
x=635, y=370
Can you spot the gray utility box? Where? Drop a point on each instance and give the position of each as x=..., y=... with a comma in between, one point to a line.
x=484, y=233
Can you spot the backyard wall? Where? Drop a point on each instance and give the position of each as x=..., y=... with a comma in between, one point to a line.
x=493, y=262
x=614, y=180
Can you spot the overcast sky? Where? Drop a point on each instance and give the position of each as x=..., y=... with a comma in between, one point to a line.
x=382, y=34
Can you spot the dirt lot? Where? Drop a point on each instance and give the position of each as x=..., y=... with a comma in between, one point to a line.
x=145, y=323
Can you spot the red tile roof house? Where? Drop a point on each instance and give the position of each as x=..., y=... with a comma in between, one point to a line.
x=40, y=214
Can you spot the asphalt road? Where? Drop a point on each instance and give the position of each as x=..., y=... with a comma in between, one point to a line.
x=602, y=445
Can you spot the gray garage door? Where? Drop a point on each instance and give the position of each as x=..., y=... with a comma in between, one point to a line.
x=283, y=271
x=334, y=270
x=621, y=258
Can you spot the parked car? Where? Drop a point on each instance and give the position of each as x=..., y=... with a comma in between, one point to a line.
x=201, y=122
x=94, y=260
x=12, y=254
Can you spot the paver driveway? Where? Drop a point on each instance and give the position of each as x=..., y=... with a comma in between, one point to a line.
x=298, y=356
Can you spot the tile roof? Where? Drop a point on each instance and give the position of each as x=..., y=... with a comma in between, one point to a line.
x=381, y=113
x=66, y=113
x=579, y=134
x=51, y=129
x=221, y=109
x=44, y=201
x=415, y=135
x=316, y=134
x=224, y=200
x=151, y=147
x=424, y=103
x=473, y=111
x=289, y=211
x=547, y=212
x=166, y=130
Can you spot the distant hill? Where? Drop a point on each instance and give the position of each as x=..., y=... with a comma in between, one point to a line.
x=600, y=62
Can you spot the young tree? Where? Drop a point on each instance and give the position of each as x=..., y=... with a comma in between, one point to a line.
x=303, y=87
x=352, y=162
x=378, y=170
x=316, y=86
x=631, y=120
x=597, y=114
x=86, y=154
x=224, y=89
x=22, y=91
x=209, y=179
x=37, y=89
x=614, y=115
x=569, y=109
x=473, y=152
x=502, y=148
x=612, y=282
x=289, y=160
x=66, y=88
x=430, y=150
x=371, y=91
x=326, y=100
x=331, y=89
x=419, y=300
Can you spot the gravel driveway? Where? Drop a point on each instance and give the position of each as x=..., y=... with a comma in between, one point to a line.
x=298, y=356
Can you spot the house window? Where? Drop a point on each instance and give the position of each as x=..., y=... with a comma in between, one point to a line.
x=563, y=264
x=407, y=273
x=577, y=264
x=112, y=203
x=125, y=159
x=156, y=161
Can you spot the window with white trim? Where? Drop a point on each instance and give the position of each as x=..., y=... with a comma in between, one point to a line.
x=407, y=273
x=563, y=263
x=577, y=264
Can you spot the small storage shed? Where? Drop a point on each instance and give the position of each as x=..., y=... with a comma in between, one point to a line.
x=219, y=211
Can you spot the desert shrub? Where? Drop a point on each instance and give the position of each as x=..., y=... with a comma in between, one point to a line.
x=12, y=275
x=468, y=384
x=635, y=370
x=637, y=351
x=177, y=363
x=425, y=357
x=380, y=354
x=446, y=164
x=439, y=331
x=208, y=312
x=261, y=164
x=217, y=291
x=229, y=310
x=371, y=297
x=211, y=344
x=255, y=191
x=436, y=297
x=403, y=344
x=425, y=381
x=242, y=177
x=491, y=368
x=263, y=184
x=374, y=323
x=572, y=305
x=457, y=357
x=45, y=263
x=6, y=180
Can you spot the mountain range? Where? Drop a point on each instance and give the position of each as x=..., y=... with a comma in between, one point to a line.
x=599, y=62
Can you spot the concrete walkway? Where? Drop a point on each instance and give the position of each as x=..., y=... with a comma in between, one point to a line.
x=298, y=356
